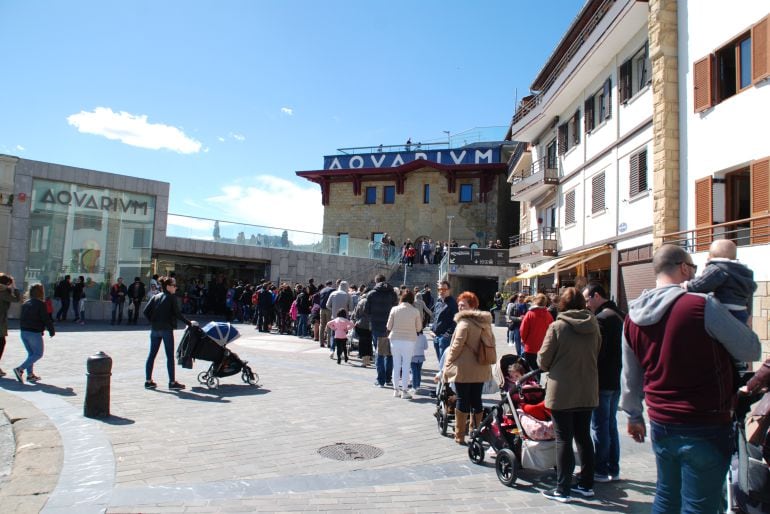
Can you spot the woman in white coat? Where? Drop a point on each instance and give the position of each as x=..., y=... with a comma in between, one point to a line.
x=404, y=323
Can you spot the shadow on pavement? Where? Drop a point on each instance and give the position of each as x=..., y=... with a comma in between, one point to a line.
x=230, y=390
x=115, y=420
x=191, y=395
x=14, y=385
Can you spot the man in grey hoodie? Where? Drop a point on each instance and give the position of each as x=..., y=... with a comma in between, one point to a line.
x=676, y=355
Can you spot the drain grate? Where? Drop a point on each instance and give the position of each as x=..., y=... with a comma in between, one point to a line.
x=350, y=451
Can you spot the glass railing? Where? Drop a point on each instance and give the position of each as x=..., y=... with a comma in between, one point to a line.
x=191, y=227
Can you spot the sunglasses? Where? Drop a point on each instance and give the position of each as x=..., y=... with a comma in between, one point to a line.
x=690, y=265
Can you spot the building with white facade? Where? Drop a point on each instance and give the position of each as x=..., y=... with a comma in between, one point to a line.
x=724, y=91
x=585, y=181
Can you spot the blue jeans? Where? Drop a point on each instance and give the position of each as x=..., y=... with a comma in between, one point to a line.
x=517, y=341
x=604, y=428
x=416, y=374
x=692, y=463
x=33, y=342
x=156, y=336
x=384, y=363
x=302, y=325
x=440, y=344
x=117, y=307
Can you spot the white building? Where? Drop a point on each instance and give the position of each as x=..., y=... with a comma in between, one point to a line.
x=724, y=91
x=585, y=182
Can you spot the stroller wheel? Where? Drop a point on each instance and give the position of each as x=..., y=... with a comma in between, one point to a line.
x=442, y=420
x=212, y=382
x=249, y=377
x=507, y=467
x=203, y=377
x=476, y=450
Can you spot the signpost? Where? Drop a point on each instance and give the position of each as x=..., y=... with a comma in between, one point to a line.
x=478, y=257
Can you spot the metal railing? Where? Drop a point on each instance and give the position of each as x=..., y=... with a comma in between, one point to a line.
x=527, y=105
x=228, y=232
x=443, y=267
x=534, y=236
x=746, y=232
x=549, y=171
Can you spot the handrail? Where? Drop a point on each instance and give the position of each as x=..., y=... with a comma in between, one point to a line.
x=539, y=234
x=528, y=105
x=744, y=232
x=538, y=166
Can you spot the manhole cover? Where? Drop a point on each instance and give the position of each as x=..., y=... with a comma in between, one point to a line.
x=350, y=451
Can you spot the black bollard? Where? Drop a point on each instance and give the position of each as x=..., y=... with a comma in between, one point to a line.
x=99, y=371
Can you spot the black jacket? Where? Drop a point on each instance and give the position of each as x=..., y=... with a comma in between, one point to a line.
x=378, y=304
x=163, y=312
x=444, y=316
x=610, y=360
x=136, y=291
x=324, y=295
x=35, y=318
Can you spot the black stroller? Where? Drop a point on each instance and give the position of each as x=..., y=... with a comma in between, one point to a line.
x=210, y=344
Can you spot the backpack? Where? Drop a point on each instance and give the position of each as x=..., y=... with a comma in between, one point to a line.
x=487, y=355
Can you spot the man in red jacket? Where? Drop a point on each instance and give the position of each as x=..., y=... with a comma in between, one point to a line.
x=676, y=355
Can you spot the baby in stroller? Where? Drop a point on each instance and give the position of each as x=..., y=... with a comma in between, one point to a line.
x=518, y=430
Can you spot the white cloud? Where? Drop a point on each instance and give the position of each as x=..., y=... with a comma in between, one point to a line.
x=272, y=202
x=20, y=148
x=133, y=130
x=238, y=137
x=288, y=111
x=221, y=139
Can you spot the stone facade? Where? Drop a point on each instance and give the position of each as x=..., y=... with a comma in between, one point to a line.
x=760, y=320
x=663, y=43
x=410, y=218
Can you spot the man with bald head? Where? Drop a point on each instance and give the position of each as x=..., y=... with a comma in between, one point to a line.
x=676, y=356
x=731, y=281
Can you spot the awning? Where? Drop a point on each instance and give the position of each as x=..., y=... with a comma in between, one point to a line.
x=562, y=263
x=540, y=269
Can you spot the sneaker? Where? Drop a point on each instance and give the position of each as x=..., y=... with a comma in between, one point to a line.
x=31, y=377
x=149, y=384
x=582, y=491
x=2, y=373
x=175, y=385
x=412, y=391
x=555, y=494
x=377, y=384
x=602, y=479
x=511, y=344
x=615, y=478
x=406, y=395
x=389, y=383
x=17, y=372
x=396, y=392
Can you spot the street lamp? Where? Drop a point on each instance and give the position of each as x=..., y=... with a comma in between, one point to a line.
x=448, y=139
x=450, y=218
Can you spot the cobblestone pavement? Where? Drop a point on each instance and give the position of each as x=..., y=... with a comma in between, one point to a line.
x=241, y=448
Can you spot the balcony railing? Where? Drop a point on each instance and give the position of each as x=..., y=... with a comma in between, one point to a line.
x=542, y=168
x=529, y=103
x=745, y=232
x=534, y=236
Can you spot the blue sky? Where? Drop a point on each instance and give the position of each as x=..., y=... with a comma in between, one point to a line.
x=226, y=100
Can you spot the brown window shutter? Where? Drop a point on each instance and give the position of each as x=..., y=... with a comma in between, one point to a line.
x=624, y=83
x=563, y=131
x=760, y=201
x=633, y=180
x=569, y=208
x=589, y=114
x=608, y=98
x=702, y=80
x=760, y=50
x=704, y=210
x=576, y=124
x=642, y=170
x=597, y=193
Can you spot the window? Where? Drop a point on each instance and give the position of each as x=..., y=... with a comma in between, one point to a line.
x=426, y=193
x=574, y=129
x=550, y=155
x=569, y=208
x=563, y=136
x=389, y=194
x=344, y=242
x=84, y=221
x=638, y=174
x=598, y=107
x=732, y=68
x=597, y=193
x=371, y=195
x=634, y=75
x=142, y=238
x=466, y=193
x=569, y=133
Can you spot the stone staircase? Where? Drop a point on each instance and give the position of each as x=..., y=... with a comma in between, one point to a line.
x=417, y=275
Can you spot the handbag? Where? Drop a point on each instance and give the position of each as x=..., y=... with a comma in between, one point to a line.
x=758, y=421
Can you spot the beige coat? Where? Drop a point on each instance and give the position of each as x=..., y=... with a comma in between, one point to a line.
x=569, y=354
x=460, y=364
x=404, y=322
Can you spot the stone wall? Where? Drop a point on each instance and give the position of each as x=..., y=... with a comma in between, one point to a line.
x=761, y=316
x=665, y=91
x=409, y=217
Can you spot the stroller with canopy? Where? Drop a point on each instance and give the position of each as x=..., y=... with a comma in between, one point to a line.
x=519, y=439
x=210, y=344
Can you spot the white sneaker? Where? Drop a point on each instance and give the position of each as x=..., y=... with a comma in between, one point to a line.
x=406, y=395
x=511, y=344
x=396, y=392
x=412, y=391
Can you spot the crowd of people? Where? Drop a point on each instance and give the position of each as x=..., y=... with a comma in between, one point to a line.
x=677, y=349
